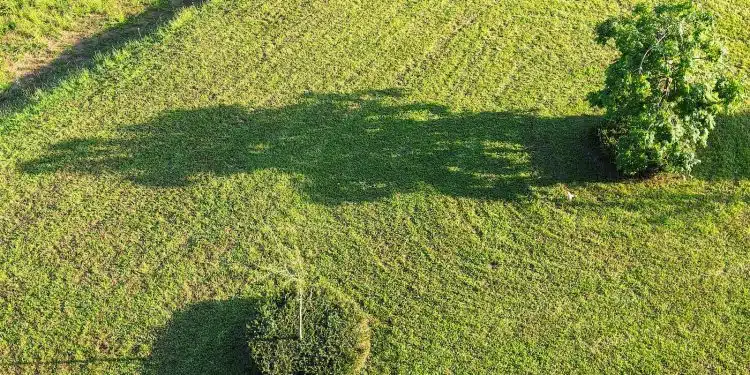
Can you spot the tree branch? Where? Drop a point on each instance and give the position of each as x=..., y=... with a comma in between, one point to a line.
x=640, y=68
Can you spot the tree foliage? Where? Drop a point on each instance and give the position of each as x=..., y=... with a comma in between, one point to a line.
x=663, y=93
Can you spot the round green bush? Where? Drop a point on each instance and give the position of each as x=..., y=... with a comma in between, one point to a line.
x=335, y=334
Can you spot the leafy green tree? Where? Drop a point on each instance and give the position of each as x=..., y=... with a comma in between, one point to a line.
x=663, y=93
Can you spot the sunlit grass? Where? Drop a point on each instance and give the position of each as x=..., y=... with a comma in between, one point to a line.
x=416, y=154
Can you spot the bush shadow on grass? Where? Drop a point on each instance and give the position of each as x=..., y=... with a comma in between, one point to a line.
x=208, y=337
x=347, y=148
x=82, y=54
x=205, y=338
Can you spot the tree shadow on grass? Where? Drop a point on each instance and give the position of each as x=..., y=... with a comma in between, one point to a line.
x=727, y=156
x=347, y=148
x=82, y=54
x=205, y=338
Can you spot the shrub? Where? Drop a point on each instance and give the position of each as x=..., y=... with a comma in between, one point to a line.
x=335, y=334
x=662, y=94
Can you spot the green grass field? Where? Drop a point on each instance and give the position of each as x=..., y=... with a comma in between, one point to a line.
x=32, y=32
x=416, y=154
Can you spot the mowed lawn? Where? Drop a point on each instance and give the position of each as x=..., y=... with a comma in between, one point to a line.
x=415, y=154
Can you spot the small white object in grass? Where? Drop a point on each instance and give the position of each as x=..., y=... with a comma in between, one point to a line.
x=569, y=195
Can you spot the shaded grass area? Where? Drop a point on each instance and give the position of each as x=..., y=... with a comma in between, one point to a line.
x=418, y=160
x=728, y=150
x=205, y=338
x=349, y=148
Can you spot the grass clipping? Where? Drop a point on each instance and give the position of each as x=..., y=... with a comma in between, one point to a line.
x=331, y=337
